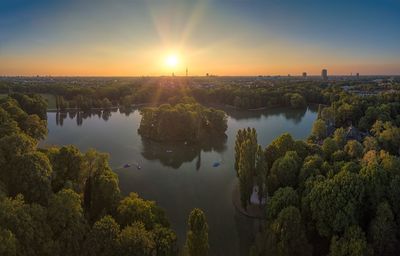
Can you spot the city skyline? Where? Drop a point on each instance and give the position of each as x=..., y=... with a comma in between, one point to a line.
x=235, y=38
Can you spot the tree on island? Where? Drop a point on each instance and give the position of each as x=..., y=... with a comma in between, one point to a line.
x=182, y=122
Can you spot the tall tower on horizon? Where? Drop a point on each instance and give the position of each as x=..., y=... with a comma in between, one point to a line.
x=187, y=71
x=324, y=74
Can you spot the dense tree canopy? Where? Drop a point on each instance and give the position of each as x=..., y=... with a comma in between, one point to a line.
x=340, y=190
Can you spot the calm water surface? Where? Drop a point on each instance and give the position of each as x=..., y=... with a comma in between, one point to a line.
x=181, y=177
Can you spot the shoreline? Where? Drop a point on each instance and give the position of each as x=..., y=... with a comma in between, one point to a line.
x=253, y=211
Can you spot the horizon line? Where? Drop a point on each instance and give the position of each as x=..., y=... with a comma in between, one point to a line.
x=211, y=75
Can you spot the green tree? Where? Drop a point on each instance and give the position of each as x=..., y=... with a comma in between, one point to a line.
x=15, y=145
x=241, y=137
x=335, y=203
x=28, y=225
x=8, y=243
x=319, y=129
x=387, y=135
x=103, y=238
x=302, y=148
x=370, y=143
x=346, y=113
x=135, y=240
x=261, y=171
x=8, y=125
x=32, y=104
x=133, y=208
x=328, y=114
x=382, y=231
x=376, y=181
x=352, y=243
x=329, y=147
x=101, y=192
x=197, y=235
x=34, y=127
x=31, y=176
x=290, y=233
x=311, y=168
x=279, y=147
x=282, y=198
x=296, y=100
x=354, y=149
x=68, y=166
x=340, y=137
x=339, y=156
x=14, y=110
x=165, y=241
x=286, y=169
x=66, y=219
x=390, y=163
x=246, y=171
x=106, y=103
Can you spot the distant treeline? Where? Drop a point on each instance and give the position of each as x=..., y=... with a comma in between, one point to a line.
x=295, y=94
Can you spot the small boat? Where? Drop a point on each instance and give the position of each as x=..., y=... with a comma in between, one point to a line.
x=138, y=167
x=127, y=165
x=216, y=164
x=168, y=151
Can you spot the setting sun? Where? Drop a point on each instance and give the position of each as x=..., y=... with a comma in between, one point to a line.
x=171, y=61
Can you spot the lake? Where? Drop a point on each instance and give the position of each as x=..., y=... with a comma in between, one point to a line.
x=181, y=177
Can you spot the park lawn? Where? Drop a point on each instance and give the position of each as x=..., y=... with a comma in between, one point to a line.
x=51, y=100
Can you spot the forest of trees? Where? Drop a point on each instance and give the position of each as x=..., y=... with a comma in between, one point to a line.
x=336, y=193
x=186, y=121
x=60, y=201
x=158, y=91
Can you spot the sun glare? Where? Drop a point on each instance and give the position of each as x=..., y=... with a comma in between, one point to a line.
x=171, y=61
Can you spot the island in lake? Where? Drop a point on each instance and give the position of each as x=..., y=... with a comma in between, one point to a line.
x=190, y=122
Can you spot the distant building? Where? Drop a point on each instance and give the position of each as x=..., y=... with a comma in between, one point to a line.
x=358, y=75
x=304, y=74
x=324, y=74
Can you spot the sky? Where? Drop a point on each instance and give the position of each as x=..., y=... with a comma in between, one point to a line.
x=221, y=37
